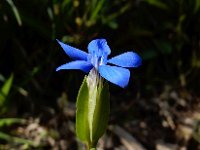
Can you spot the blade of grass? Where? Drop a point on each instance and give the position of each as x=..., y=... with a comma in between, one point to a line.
x=96, y=10
x=10, y=121
x=10, y=138
x=15, y=11
x=4, y=91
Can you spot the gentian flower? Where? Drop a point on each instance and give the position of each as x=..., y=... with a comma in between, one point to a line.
x=97, y=58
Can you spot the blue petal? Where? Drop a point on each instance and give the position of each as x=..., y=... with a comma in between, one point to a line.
x=99, y=47
x=117, y=75
x=73, y=52
x=78, y=64
x=128, y=59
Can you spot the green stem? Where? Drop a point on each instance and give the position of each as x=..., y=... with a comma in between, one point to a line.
x=90, y=147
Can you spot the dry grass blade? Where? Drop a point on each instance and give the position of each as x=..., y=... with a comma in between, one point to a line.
x=126, y=138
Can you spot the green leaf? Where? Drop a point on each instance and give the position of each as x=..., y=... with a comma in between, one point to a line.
x=10, y=121
x=197, y=6
x=5, y=90
x=157, y=3
x=101, y=113
x=13, y=139
x=93, y=109
x=82, y=124
x=96, y=10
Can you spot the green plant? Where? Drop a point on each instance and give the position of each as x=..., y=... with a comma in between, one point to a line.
x=4, y=93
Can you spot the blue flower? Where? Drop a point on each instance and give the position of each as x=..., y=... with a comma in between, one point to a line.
x=97, y=57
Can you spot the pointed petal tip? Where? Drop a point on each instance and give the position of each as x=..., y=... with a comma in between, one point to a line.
x=57, y=69
x=60, y=43
x=73, y=52
x=57, y=40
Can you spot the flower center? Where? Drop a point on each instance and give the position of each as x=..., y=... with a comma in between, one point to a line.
x=96, y=60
